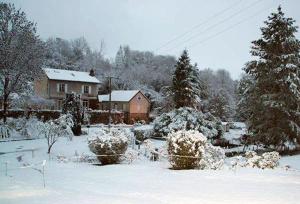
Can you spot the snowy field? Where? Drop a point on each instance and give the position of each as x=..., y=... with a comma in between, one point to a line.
x=143, y=181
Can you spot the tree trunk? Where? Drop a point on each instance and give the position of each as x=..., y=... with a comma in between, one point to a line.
x=5, y=99
x=5, y=107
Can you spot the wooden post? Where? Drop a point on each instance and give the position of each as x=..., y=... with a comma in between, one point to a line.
x=44, y=163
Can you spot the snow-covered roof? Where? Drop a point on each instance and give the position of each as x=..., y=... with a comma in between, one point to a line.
x=69, y=75
x=121, y=95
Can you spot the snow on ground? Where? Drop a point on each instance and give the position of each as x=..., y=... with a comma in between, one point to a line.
x=235, y=134
x=140, y=182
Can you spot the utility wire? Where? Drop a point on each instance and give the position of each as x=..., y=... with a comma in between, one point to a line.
x=200, y=24
x=229, y=28
x=216, y=24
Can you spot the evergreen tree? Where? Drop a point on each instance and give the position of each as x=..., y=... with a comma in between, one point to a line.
x=275, y=107
x=119, y=60
x=219, y=105
x=243, y=92
x=186, y=86
x=72, y=105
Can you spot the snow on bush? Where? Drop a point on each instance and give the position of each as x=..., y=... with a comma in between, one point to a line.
x=187, y=119
x=267, y=160
x=189, y=149
x=21, y=127
x=131, y=155
x=213, y=157
x=30, y=128
x=109, y=146
x=5, y=131
x=186, y=149
x=142, y=133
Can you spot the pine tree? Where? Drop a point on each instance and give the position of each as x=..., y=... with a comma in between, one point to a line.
x=275, y=107
x=186, y=86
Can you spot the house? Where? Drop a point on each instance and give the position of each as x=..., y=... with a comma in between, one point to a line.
x=134, y=104
x=56, y=83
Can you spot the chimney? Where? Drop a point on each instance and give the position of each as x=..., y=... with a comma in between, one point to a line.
x=92, y=72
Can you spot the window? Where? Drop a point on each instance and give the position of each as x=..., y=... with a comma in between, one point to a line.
x=62, y=88
x=116, y=106
x=85, y=103
x=86, y=89
x=59, y=104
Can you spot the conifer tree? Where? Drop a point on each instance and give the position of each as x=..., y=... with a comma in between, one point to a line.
x=119, y=60
x=219, y=105
x=275, y=118
x=73, y=106
x=186, y=84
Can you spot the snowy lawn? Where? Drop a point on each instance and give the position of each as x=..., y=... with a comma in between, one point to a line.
x=140, y=182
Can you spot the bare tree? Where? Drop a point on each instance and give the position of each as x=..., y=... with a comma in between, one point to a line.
x=52, y=130
x=21, y=52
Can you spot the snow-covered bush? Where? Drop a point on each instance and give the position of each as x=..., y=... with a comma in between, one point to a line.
x=142, y=133
x=29, y=130
x=185, y=149
x=213, y=157
x=190, y=149
x=267, y=160
x=187, y=119
x=109, y=146
x=131, y=155
x=23, y=127
x=5, y=131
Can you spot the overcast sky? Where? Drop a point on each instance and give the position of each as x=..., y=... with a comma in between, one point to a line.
x=217, y=33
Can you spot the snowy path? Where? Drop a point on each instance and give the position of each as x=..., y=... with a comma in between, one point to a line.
x=140, y=182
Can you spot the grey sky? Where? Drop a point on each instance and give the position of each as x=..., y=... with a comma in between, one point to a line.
x=149, y=24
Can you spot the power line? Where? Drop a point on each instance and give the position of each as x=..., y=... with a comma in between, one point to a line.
x=200, y=24
x=229, y=28
x=216, y=24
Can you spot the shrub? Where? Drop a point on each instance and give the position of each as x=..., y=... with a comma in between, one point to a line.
x=187, y=119
x=109, y=146
x=142, y=133
x=266, y=160
x=185, y=149
x=213, y=157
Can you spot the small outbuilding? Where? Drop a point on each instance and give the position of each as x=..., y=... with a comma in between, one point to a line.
x=225, y=126
x=134, y=104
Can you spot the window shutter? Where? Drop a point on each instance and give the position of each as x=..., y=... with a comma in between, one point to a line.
x=57, y=87
x=82, y=89
x=66, y=88
x=90, y=89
